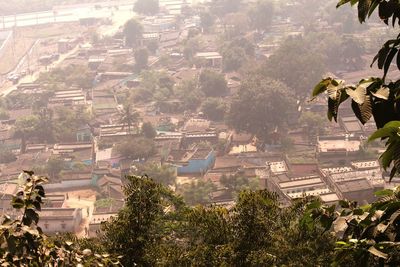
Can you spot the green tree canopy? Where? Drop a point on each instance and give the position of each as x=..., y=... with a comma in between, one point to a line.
x=373, y=97
x=214, y=109
x=261, y=14
x=295, y=65
x=132, y=32
x=136, y=148
x=141, y=58
x=148, y=130
x=162, y=174
x=207, y=20
x=233, y=58
x=141, y=225
x=6, y=156
x=212, y=83
x=129, y=117
x=189, y=93
x=24, y=244
x=262, y=107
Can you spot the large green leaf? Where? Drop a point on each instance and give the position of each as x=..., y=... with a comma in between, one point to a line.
x=382, y=133
x=321, y=87
x=388, y=61
x=363, y=9
x=343, y=2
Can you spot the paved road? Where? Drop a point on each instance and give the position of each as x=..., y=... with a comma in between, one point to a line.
x=8, y=88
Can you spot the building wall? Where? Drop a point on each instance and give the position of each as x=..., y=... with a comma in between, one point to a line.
x=198, y=165
x=62, y=225
x=68, y=184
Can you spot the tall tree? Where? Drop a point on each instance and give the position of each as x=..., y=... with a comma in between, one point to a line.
x=295, y=65
x=214, y=109
x=141, y=58
x=45, y=127
x=148, y=130
x=129, y=117
x=25, y=128
x=261, y=14
x=162, y=174
x=212, y=83
x=136, y=148
x=132, y=32
x=207, y=20
x=262, y=107
x=142, y=224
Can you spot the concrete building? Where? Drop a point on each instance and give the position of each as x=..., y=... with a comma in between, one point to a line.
x=64, y=220
x=210, y=59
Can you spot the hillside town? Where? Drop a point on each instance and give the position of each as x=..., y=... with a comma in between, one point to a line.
x=88, y=102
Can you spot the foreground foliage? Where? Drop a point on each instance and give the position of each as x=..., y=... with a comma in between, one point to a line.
x=157, y=228
x=23, y=242
x=373, y=97
x=368, y=234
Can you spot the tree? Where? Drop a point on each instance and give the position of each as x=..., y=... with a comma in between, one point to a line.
x=213, y=84
x=148, y=130
x=313, y=123
x=4, y=115
x=162, y=174
x=141, y=58
x=214, y=109
x=136, y=148
x=152, y=46
x=223, y=7
x=233, y=58
x=235, y=183
x=45, y=129
x=295, y=65
x=25, y=128
x=132, y=32
x=372, y=97
x=198, y=192
x=54, y=166
x=261, y=14
x=262, y=107
x=235, y=24
x=6, y=156
x=189, y=93
x=141, y=226
x=146, y=7
x=206, y=20
x=129, y=117
x=23, y=242
x=365, y=238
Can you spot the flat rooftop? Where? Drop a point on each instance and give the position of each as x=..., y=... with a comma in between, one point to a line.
x=366, y=164
x=325, y=146
x=209, y=55
x=277, y=167
x=301, y=182
x=316, y=192
x=354, y=185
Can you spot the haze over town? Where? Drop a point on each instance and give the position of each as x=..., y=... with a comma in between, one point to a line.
x=207, y=98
